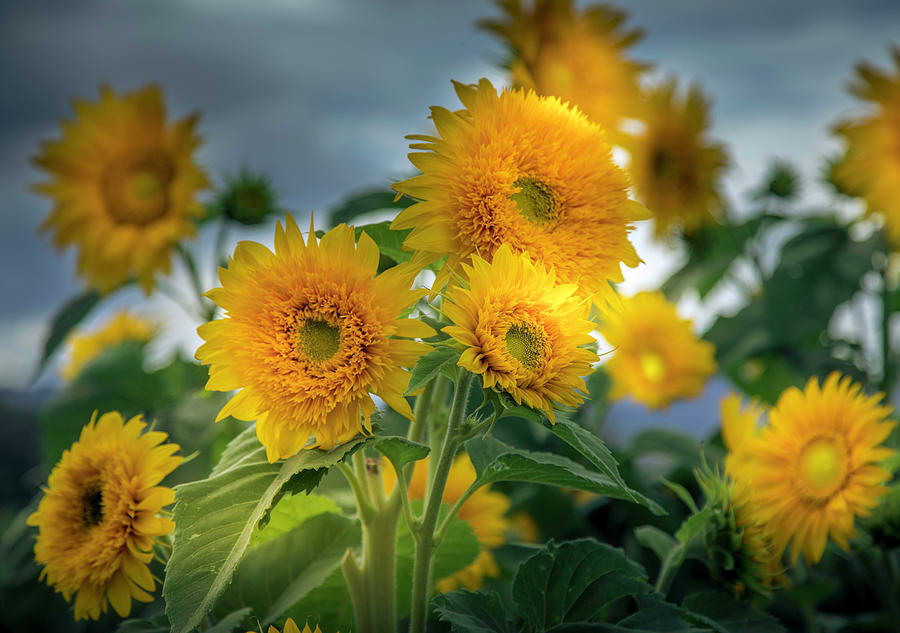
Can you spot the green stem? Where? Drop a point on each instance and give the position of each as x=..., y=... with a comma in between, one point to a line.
x=668, y=568
x=219, y=256
x=207, y=308
x=437, y=425
x=425, y=539
x=356, y=587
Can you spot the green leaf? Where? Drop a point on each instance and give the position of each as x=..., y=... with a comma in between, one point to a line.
x=660, y=543
x=215, y=518
x=156, y=624
x=572, y=581
x=67, y=318
x=389, y=242
x=329, y=603
x=400, y=450
x=367, y=202
x=429, y=367
x=681, y=448
x=726, y=615
x=496, y=461
x=228, y=623
x=654, y=614
x=277, y=574
x=470, y=612
x=289, y=513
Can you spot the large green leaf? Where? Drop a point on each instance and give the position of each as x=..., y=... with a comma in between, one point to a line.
x=573, y=581
x=70, y=315
x=429, y=367
x=289, y=513
x=470, y=612
x=215, y=519
x=160, y=623
x=724, y=614
x=389, y=242
x=399, y=450
x=367, y=202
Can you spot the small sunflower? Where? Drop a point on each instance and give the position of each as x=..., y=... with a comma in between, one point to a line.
x=485, y=512
x=815, y=467
x=674, y=167
x=522, y=170
x=521, y=330
x=576, y=56
x=99, y=515
x=124, y=183
x=309, y=332
x=86, y=346
x=291, y=627
x=656, y=356
x=871, y=166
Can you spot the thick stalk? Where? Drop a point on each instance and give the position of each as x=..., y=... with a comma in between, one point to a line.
x=425, y=538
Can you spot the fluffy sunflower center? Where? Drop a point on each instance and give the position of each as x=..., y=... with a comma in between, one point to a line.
x=653, y=366
x=92, y=505
x=525, y=344
x=822, y=466
x=318, y=340
x=136, y=192
x=535, y=200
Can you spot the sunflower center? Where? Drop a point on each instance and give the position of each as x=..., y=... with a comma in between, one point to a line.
x=535, y=200
x=92, y=506
x=822, y=465
x=653, y=366
x=319, y=340
x=136, y=191
x=525, y=344
x=664, y=165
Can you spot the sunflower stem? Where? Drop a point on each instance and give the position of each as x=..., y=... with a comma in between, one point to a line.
x=196, y=282
x=425, y=539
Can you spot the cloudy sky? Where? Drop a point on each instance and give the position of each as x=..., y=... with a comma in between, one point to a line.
x=320, y=93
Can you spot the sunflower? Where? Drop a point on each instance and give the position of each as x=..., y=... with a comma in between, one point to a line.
x=526, y=171
x=656, y=356
x=86, y=346
x=576, y=56
x=674, y=167
x=99, y=515
x=291, y=627
x=871, y=166
x=815, y=467
x=521, y=330
x=309, y=332
x=124, y=184
x=484, y=511
x=740, y=425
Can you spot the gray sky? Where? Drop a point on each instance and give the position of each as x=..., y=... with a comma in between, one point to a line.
x=320, y=93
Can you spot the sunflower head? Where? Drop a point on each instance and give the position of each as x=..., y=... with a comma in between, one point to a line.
x=817, y=465
x=291, y=627
x=675, y=168
x=522, y=331
x=871, y=166
x=578, y=56
x=656, y=357
x=310, y=331
x=100, y=513
x=525, y=171
x=124, y=182
x=86, y=346
x=248, y=198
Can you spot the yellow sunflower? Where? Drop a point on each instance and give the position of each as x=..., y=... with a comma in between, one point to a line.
x=576, y=56
x=99, y=515
x=815, y=467
x=871, y=166
x=484, y=511
x=656, y=356
x=291, y=627
x=124, y=184
x=309, y=333
x=526, y=171
x=521, y=330
x=675, y=168
x=740, y=425
x=86, y=346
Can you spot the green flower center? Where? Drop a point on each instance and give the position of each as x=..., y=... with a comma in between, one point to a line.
x=92, y=506
x=319, y=340
x=535, y=201
x=822, y=465
x=145, y=186
x=653, y=366
x=525, y=344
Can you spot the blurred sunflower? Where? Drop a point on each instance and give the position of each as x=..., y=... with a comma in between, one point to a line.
x=124, y=184
x=291, y=627
x=674, y=167
x=576, y=56
x=86, y=346
x=99, y=515
x=485, y=512
x=815, y=467
x=308, y=334
x=656, y=357
x=740, y=425
x=521, y=330
x=521, y=170
x=871, y=166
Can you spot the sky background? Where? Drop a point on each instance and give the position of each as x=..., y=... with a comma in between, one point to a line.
x=319, y=94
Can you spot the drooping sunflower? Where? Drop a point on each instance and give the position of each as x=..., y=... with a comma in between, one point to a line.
x=100, y=514
x=521, y=170
x=86, y=346
x=871, y=166
x=485, y=512
x=522, y=331
x=656, y=357
x=309, y=332
x=815, y=467
x=579, y=57
x=124, y=183
x=675, y=168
